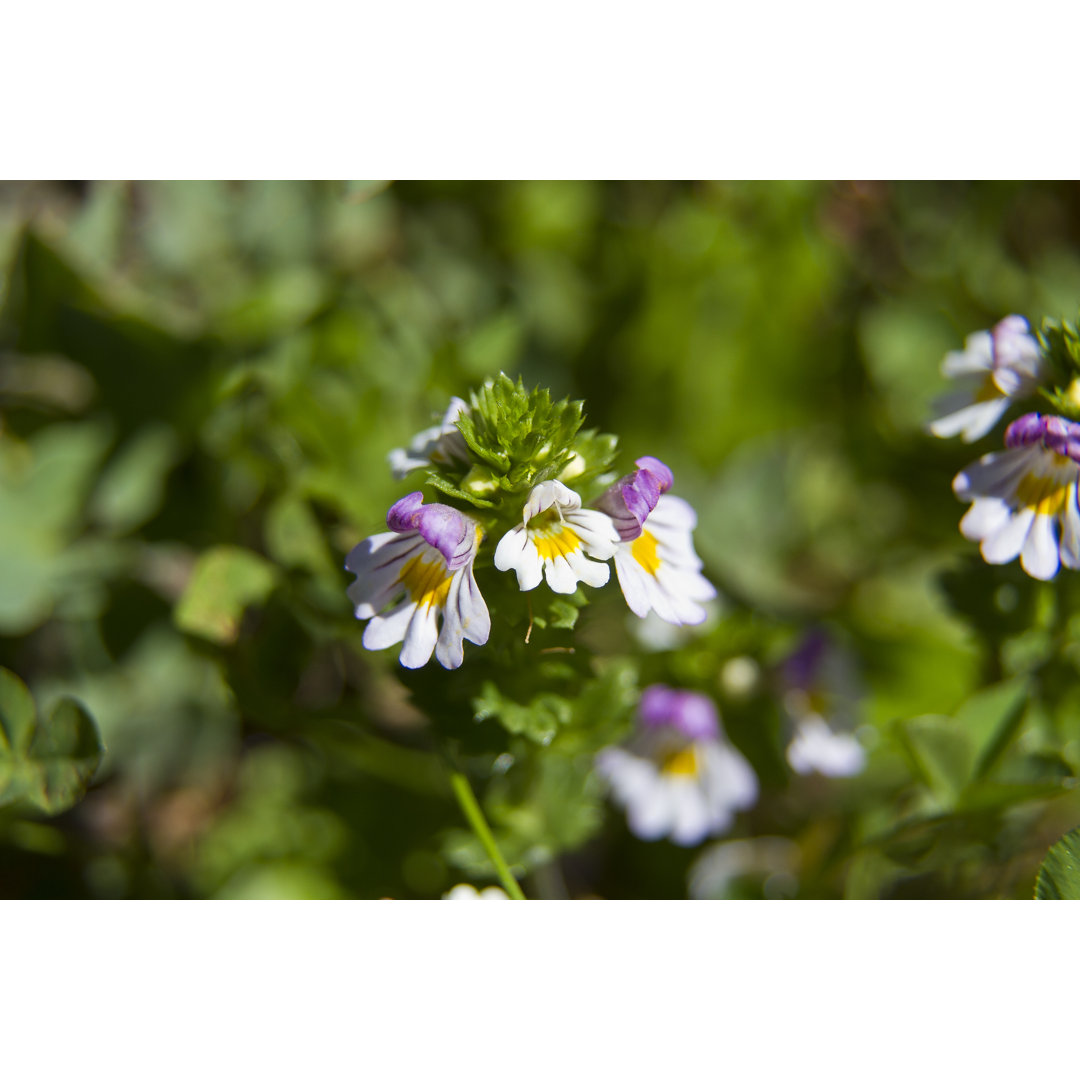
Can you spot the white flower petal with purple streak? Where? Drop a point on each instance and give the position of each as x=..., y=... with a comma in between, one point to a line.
x=1024, y=499
x=996, y=367
x=425, y=565
x=440, y=444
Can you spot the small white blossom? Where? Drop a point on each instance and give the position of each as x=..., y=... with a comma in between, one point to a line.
x=996, y=367
x=469, y=892
x=558, y=540
x=438, y=445
x=679, y=776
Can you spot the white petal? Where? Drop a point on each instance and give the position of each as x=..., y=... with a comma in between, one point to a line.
x=1009, y=541
x=972, y=421
x=729, y=779
x=420, y=637
x=596, y=532
x=996, y=474
x=817, y=748
x=560, y=577
x=584, y=569
x=1070, y=531
x=691, y=819
x=978, y=355
x=386, y=630
x=546, y=495
x=1040, y=555
x=632, y=581
x=517, y=552
x=984, y=518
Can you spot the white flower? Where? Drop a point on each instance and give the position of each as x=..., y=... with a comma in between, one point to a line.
x=426, y=565
x=660, y=571
x=996, y=367
x=469, y=892
x=439, y=444
x=555, y=539
x=821, y=682
x=1024, y=499
x=655, y=561
x=817, y=748
x=679, y=776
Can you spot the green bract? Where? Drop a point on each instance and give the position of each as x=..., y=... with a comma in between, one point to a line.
x=519, y=438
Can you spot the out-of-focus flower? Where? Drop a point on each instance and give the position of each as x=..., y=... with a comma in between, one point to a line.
x=426, y=565
x=772, y=858
x=469, y=892
x=819, y=693
x=996, y=367
x=678, y=776
x=655, y=561
x=1024, y=499
x=438, y=445
x=555, y=541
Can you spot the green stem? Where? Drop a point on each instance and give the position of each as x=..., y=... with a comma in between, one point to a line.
x=471, y=809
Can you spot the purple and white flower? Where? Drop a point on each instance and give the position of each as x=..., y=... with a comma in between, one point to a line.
x=558, y=540
x=996, y=367
x=424, y=567
x=438, y=445
x=819, y=698
x=655, y=561
x=1024, y=499
x=678, y=776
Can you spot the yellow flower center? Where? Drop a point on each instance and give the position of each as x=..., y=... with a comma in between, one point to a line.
x=644, y=551
x=1043, y=494
x=427, y=582
x=988, y=390
x=555, y=540
x=681, y=763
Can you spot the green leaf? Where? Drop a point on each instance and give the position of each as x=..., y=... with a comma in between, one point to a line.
x=941, y=752
x=226, y=580
x=538, y=720
x=991, y=718
x=1059, y=875
x=46, y=765
x=132, y=487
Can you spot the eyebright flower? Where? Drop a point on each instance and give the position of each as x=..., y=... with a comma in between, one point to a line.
x=655, y=561
x=434, y=445
x=819, y=683
x=470, y=892
x=678, y=776
x=426, y=565
x=555, y=540
x=996, y=367
x=1024, y=498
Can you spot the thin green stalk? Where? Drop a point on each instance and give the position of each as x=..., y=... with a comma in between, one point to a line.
x=471, y=809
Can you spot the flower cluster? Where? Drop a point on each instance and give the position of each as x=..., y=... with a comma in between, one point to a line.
x=678, y=776
x=1024, y=498
x=416, y=583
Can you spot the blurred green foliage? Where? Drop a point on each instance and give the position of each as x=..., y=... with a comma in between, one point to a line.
x=200, y=383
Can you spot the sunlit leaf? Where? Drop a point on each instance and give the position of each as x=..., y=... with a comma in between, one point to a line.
x=1059, y=875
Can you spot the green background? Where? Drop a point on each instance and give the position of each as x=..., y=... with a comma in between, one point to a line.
x=200, y=383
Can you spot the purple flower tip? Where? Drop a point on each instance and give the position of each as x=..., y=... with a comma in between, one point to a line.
x=663, y=474
x=1054, y=432
x=447, y=530
x=692, y=714
x=801, y=668
x=629, y=501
